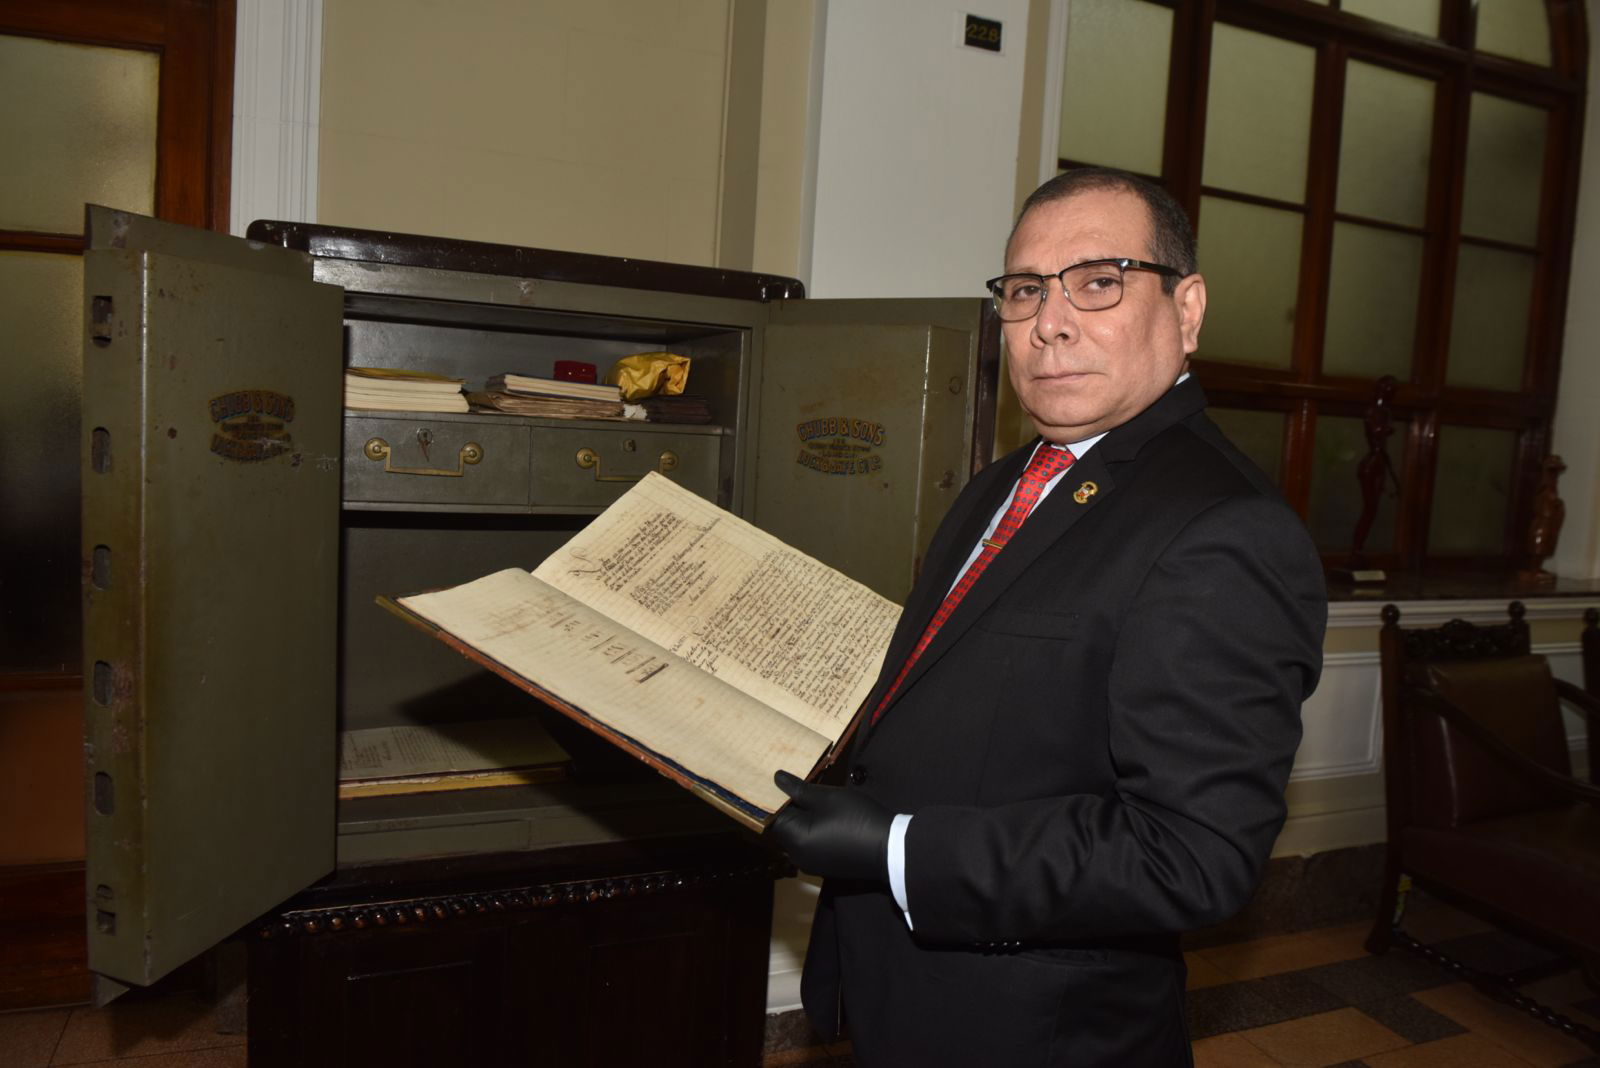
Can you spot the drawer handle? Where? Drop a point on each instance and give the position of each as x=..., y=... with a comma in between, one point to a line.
x=378, y=449
x=588, y=458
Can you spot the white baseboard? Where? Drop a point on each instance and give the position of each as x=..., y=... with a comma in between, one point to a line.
x=783, y=989
x=1319, y=832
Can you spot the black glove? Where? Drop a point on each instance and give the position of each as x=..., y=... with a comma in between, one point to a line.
x=832, y=831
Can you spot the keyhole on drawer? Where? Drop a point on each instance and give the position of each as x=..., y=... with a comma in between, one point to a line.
x=629, y=445
x=424, y=439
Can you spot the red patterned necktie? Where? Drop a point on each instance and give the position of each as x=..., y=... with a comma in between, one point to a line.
x=1047, y=463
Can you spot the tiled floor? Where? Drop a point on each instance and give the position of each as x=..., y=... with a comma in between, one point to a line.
x=174, y=1031
x=1319, y=999
x=1310, y=999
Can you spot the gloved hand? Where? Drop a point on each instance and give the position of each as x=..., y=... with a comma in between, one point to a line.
x=832, y=831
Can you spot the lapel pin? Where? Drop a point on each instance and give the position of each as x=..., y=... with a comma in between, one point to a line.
x=1084, y=492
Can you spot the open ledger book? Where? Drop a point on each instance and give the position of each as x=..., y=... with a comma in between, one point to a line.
x=705, y=647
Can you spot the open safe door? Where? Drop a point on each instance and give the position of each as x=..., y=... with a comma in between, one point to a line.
x=874, y=413
x=211, y=423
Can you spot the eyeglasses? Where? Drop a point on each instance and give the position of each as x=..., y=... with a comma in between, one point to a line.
x=1092, y=286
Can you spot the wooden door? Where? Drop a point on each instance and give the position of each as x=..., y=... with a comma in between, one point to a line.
x=126, y=102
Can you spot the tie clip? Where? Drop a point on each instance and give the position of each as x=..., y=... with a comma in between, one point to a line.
x=990, y=543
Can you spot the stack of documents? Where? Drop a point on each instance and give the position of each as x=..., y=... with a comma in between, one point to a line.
x=386, y=389
x=551, y=387
x=525, y=395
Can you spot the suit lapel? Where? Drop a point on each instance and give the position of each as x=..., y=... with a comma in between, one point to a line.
x=1045, y=525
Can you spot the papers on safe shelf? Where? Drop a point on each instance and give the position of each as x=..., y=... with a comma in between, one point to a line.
x=530, y=385
x=387, y=389
x=413, y=758
x=554, y=398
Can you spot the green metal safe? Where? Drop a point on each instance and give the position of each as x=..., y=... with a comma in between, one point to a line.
x=238, y=523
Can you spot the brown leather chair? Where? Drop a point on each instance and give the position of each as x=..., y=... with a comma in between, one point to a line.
x=1483, y=809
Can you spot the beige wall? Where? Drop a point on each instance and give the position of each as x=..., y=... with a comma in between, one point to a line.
x=1036, y=86
x=781, y=223
x=593, y=126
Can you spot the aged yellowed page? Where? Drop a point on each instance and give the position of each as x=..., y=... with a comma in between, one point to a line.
x=732, y=600
x=629, y=683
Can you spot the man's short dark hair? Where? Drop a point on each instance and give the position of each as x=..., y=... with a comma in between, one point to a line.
x=1171, y=236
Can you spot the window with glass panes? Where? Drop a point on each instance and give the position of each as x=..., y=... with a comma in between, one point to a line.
x=1379, y=187
x=125, y=103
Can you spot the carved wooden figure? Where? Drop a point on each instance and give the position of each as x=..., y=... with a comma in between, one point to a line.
x=1374, y=466
x=1544, y=528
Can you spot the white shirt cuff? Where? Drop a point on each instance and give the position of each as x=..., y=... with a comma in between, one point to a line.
x=897, y=863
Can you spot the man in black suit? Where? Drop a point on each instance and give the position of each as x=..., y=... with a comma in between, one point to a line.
x=1079, y=743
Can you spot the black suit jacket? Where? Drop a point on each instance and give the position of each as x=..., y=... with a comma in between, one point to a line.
x=1094, y=750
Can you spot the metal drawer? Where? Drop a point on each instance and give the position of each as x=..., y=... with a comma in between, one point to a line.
x=589, y=467
x=435, y=461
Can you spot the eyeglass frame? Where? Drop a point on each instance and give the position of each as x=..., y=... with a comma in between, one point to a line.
x=1124, y=264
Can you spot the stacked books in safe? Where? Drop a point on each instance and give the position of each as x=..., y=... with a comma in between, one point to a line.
x=386, y=389
x=526, y=395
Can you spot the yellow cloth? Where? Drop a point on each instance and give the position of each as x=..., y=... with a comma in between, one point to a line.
x=647, y=374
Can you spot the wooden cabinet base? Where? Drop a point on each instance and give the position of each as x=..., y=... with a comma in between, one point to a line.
x=628, y=955
x=43, y=949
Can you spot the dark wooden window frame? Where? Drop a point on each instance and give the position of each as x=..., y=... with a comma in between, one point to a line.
x=1423, y=399
x=194, y=123
x=194, y=120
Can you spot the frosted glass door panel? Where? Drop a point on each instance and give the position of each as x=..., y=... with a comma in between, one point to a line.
x=1108, y=117
x=1372, y=302
x=41, y=323
x=1489, y=323
x=1338, y=463
x=1421, y=16
x=1250, y=257
x=1518, y=29
x=1258, y=114
x=1505, y=162
x=1259, y=435
x=1471, y=490
x=79, y=125
x=1384, y=151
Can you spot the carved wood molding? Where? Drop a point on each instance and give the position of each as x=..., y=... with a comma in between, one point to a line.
x=417, y=911
x=1460, y=640
x=1367, y=613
